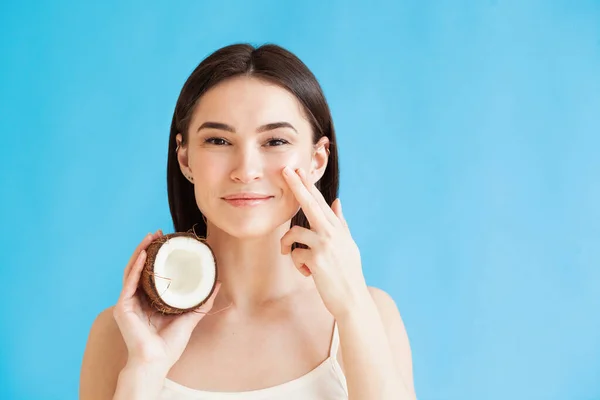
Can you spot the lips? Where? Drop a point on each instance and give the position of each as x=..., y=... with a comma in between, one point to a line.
x=248, y=202
x=247, y=199
x=247, y=196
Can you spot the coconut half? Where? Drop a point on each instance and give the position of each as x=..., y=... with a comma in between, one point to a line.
x=180, y=273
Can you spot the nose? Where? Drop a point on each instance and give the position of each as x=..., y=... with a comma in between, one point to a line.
x=248, y=165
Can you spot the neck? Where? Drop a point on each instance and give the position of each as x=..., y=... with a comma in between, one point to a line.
x=253, y=271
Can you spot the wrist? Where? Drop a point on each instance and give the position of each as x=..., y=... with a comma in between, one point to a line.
x=140, y=381
x=141, y=368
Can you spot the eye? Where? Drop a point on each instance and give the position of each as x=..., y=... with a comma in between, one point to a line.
x=276, y=142
x=217, y=141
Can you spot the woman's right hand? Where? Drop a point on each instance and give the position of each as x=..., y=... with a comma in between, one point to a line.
x=160, y=344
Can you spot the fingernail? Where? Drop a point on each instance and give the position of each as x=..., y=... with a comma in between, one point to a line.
x=287, y=170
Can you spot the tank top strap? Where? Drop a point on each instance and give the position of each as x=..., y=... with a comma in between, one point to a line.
x=333, y=351
x=335, y=342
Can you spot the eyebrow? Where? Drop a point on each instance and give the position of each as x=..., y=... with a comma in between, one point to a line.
x=264, y=128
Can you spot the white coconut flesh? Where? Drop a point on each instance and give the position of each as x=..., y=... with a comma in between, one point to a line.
x=184, y=272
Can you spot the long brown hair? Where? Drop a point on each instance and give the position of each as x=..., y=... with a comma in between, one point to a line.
x=273, y=64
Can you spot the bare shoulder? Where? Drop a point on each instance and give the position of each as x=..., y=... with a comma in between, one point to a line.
x=396, y=333
x=104, y=358
x=385, y=303
x=388, y=312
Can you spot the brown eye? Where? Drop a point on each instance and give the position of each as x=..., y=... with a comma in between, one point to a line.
x=216, y=141
x=275, y=142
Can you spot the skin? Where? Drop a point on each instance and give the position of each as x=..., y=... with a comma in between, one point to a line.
x=271, y=319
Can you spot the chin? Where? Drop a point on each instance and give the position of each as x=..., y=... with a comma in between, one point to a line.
x=249, y=229
x=251, y=226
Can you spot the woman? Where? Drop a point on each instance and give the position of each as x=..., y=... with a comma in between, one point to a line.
x=253, y=167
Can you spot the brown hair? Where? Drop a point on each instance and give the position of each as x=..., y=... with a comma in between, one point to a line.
x=273, y=64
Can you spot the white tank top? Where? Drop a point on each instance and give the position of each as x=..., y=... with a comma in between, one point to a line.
x=326, y=381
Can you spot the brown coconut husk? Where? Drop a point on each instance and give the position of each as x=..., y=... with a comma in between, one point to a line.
x=148, y=277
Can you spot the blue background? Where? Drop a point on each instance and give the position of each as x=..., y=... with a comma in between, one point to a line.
x=469, y=135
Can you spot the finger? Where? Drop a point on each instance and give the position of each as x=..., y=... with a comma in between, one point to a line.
x=336, y=207
x=201, y=311
x=131, y=283
x=302, y=259
x=312, y=188
x=298, y=234
x=315, y=215
x=131, y=327
x=142, y=246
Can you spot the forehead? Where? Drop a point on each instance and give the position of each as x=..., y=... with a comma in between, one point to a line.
x=247, y=102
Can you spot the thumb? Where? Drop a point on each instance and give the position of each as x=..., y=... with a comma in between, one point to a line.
x=180, y=329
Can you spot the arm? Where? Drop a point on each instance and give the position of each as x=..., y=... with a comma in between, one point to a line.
x=104, y=357
x=105, y=374
x=127, y=357
x=376, y=366
x=376, y=351
x=139, y=382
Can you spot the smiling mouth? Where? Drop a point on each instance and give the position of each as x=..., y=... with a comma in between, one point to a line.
x=247, y=201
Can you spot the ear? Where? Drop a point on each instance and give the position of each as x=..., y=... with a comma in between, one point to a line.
x=182, y=157
x=320, y=159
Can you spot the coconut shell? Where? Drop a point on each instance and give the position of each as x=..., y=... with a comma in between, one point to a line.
x=147, y=278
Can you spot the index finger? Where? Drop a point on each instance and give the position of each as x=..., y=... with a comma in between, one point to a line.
x=315, y=215
x=131, y=282
x=327, y=210
x=142, y=246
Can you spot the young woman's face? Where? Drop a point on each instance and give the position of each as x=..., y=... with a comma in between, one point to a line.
x=242, y=134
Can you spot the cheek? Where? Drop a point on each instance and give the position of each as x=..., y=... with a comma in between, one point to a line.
x=209, y=174
x=273, y=169
x=293, y=159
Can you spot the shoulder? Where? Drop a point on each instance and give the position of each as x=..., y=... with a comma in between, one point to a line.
x=105, y=331
x=388, y=312
x=396, y=334
x=379, y=294
x=385, y=303
x=104, y=357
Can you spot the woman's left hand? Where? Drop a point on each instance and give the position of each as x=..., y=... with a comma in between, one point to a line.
x=332, y=257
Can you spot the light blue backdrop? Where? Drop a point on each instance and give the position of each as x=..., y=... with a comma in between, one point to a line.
x=469, y=135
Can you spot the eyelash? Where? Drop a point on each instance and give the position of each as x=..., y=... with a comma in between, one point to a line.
x=271, y=139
